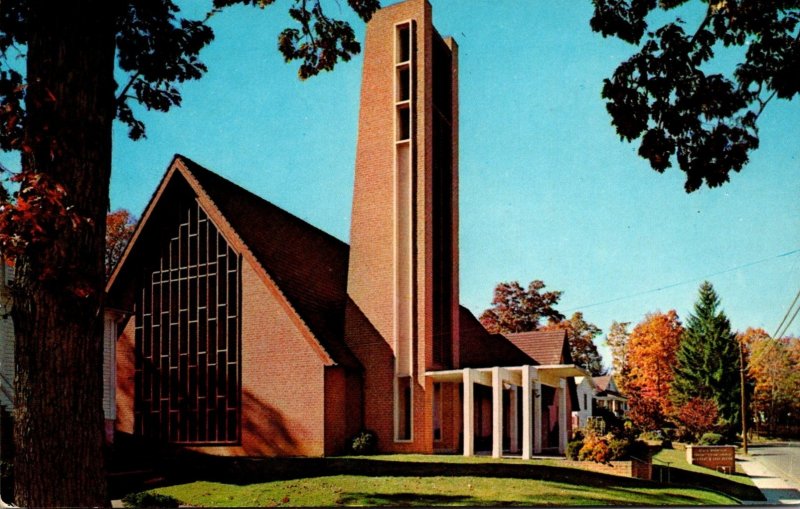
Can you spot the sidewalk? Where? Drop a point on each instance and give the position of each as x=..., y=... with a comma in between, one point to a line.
x=775, y=489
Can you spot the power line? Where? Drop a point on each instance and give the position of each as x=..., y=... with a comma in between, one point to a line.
x=776, y=335
x=673, y=285
x=778, y=332
x=785, y=329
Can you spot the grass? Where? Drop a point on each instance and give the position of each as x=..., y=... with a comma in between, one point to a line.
x=414, y=480
x=737, y=484
x=428, y=491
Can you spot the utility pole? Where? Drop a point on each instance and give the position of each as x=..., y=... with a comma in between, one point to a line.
x=744, y=399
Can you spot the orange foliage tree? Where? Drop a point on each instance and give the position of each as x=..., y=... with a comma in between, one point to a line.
x=119, y=228
x=698, y=415
x=651, y=355
x=772, y=366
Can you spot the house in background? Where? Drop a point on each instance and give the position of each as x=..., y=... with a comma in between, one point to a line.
x=582, y=412
x=607, y=395
x=594, y=393
x=247, y=331
x=7, y=361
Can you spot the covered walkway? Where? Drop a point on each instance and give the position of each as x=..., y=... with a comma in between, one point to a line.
x=523, y=382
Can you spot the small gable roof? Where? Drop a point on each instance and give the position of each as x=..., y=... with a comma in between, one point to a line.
x=480, y=349
x=547, y=347
x=602, y=382
x=606, y=386
x=306, y=265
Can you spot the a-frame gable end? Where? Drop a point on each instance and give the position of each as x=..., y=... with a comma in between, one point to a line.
x=216, y=215
x=142, y=224
x=144, y=233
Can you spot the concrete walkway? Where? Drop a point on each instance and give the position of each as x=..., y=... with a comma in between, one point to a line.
x=775, y=489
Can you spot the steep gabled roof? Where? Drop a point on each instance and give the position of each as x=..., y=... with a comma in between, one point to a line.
x=547, y=347
x=306, y=266
x=606, y=386
x=480, y=349
x=602, y=382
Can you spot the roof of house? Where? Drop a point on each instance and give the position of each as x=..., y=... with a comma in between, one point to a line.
x=601, y=382
x=547, y=347
x=308, y=266
x=605, y=386
x=480, y=349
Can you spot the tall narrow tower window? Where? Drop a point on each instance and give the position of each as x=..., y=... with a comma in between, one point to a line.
x=403, y=123
x=404, y=229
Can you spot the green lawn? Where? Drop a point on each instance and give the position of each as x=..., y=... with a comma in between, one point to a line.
x=416, y=480
x=738, y=484
x=427, y=491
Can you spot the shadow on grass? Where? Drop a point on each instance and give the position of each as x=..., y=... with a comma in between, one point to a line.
x=140, y=466
x=679, y=476
x=406, y=499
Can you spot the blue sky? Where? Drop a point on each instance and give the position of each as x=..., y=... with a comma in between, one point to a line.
x=547, y=189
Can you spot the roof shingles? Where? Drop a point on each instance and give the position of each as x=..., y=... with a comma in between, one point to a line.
x=547, y=347
x=308, y=265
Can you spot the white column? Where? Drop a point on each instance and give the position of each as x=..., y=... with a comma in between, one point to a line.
x=513, y=430
x=537, y=417
x=497, y=413
x=469, y=414
x=527, y=424
x=562, y=416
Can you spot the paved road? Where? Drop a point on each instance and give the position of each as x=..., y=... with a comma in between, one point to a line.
x=782, y=460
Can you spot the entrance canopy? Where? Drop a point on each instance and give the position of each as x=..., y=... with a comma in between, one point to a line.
x=525, y=382
x=547, y=375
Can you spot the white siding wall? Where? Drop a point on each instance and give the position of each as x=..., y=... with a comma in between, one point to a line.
x=6, y=339
x=7, y=354
x=585, y=394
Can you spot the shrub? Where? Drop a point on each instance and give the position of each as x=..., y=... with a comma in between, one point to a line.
x=573, y=448
x=612, y=423
x=666, y=443
x=149, y=499
x=618, y=448
x=601, y=452
x=712, y=439
x=595, y=448
x=684, y=435
x=364, y=442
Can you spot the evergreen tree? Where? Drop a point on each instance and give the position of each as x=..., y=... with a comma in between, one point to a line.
x=708, y=360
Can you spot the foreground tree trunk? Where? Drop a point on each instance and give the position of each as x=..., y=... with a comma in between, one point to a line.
x=57, y=310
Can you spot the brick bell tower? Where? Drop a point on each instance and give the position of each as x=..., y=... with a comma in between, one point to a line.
x=403, y=272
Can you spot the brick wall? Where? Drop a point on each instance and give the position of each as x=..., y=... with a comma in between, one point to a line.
x=282, y=381
x=126, y=369
x=372, y=271
x=637, y=469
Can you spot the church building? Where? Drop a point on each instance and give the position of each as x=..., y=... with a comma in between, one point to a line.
x=243, y=330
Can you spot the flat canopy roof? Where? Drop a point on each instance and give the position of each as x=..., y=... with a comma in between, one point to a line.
x=550, y=371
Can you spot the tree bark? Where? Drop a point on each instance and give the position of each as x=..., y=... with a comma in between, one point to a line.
x=58, y=296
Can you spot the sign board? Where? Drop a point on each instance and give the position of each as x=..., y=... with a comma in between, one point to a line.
x=718, y=457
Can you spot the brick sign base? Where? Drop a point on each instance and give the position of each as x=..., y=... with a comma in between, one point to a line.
x=717, y=457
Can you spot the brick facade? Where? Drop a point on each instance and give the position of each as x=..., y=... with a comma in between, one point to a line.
x=333, y=339
x=375, y=264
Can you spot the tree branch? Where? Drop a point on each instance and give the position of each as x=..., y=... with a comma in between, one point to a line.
x=122, y=95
